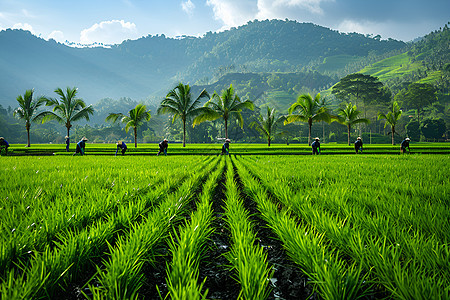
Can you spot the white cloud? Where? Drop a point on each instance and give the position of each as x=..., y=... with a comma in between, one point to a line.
x=24, y=26
x=238, y=12
x=188, y=7
x=280, y=8
x=57, y=36
x=109, y=32
x=233, y=12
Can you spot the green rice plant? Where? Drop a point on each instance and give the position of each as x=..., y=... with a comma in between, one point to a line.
x=57, y=266
x=122, y=278
x=246, y=256
x=420, y=254
x=330, y=275
x=187, y=245
x=39, y=222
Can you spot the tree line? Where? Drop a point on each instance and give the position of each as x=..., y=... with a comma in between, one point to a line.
x=354, y=90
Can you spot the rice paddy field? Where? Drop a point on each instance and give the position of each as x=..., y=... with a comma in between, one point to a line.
x=225, y=227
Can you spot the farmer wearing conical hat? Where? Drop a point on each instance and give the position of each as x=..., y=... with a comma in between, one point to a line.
x=163, y=147
x=4, y=144
x=226, y=147
x=316, y=146
x=404, y=145
x=81, y=145
x=121, y=145
x=67, y=143
x=358, y=145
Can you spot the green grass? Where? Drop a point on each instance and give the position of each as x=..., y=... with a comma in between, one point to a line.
x=352, y=224
x=392, y=67
x=237, y=149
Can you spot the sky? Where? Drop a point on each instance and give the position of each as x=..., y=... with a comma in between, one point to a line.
x=112, y=21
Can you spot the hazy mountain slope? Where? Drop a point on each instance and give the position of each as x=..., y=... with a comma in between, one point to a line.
x=153, y=64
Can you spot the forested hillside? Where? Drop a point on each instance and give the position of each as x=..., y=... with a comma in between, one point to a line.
x=150, y=65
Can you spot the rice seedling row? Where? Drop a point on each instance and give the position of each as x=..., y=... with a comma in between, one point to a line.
x=331, y=276
x=246, y=257
x=353, y=227
x=121, y=277
x=188, y=245
x=68, y=213
x=73, y=253
x=420, y=258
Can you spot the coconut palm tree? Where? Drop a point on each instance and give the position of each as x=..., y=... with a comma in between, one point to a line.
x=349, y=116
x=67, y=110
x=309, y=110
x=392, y=118
x=180, y=103
x=135, y=118
x=227, y=105
x=268, y=124
x=27, y=109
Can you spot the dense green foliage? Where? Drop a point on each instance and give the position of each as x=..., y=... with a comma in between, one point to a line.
x=353, y=226
x=149, y=65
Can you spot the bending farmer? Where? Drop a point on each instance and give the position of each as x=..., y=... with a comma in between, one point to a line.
x=404, y=145
x=121, y=145
x=81, y=145
x=163, y=147
x=358, y=145
x=315, y=146
x=4, y=144
x=226, y=147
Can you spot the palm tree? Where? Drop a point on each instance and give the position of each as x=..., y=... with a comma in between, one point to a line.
x=27, y=109
x=392, y=118
x=135, y=118
x=180, y=103
x=308, y=110
x=349, y=116
x=67, y=110
x=267, y=125
x=226, y=106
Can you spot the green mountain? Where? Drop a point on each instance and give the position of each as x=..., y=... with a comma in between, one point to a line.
x=148, y=67
x=426, y=61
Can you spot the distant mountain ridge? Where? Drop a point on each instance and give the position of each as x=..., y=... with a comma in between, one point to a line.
x=151, y=65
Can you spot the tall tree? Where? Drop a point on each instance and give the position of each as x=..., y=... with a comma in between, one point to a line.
x=181, y=104
x=67, y=109
x=349, y=116
x=309, y=110
x=418, y=95
x=227, y=105
x=362, y=87
x=27, y=109
x=391, y=118
x=135, y=118
x=267, y=124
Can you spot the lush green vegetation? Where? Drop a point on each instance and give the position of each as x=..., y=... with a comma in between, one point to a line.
x=235, y=149
x=105, y=227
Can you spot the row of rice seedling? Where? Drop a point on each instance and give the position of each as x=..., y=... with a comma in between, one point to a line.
x=246, y=257
x=71, y=201
x=188, y=245
x=73, y=254
x=331, y=276
x=121, y=277
x=405, y=259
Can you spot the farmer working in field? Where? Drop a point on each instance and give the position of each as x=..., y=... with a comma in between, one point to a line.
x=163, y=147
x=226, y=147
x=404, y=145
x=4, y=144
x=67, y=143
x=358, y=145
x=121, y=145
x=81, y=145
x=316, y=146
